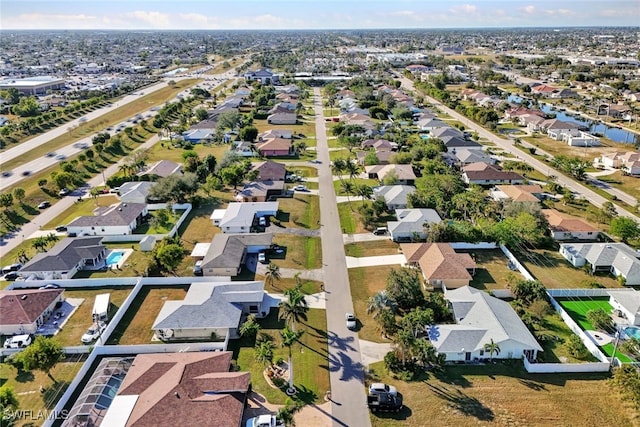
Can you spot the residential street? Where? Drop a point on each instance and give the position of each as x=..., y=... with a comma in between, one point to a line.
x=346, y=370
x=507, y=145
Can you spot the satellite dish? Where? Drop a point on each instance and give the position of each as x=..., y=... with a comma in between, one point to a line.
x=167, y=333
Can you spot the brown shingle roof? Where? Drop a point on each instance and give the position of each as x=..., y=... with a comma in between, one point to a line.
x=438, y=261
x=559, y=221
x=16, y=309
x=521, y=193
x=175, y=387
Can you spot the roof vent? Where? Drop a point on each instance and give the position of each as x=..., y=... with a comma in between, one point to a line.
x=23, y=297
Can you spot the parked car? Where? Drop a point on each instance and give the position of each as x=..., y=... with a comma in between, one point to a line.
x=262, y=221
x=380, y=231
x=381, y=388
x=65, y=191
x=114, y=190
x=197, y=269
x=262, y=257
x=50, y=286
x=11, y=276
x=351, y=321
x=61, y=228
x=11, y=267
x=300, y=188
x=263, y=421
x=44, y=205
x=384, y=402
x=315, y=161
x=17, y=341
x=93, y=332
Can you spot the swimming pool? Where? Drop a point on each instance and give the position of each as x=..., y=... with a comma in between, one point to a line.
x=632, y=332
x=114, y=258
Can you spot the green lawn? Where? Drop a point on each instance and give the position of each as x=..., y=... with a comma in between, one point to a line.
x=373, y=248
x=504, y=395
x=626, y=183
x=164, y=151
x=304, y=253
x=337, y=185
x=308, y=286
x=351, y=220
x=492, y=271
x=310, y=358
x=77, y=325
x=301, y=211
x=27, y=385
x=135, y=326
x=364, y=283
x=578, y=308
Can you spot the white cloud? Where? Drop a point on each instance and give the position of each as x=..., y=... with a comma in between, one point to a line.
x=154, y=19
x=529, y=9
x=467, y=9
x=403, y=13
x=45, y=21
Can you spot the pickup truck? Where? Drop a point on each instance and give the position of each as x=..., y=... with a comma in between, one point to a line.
x=384, y=402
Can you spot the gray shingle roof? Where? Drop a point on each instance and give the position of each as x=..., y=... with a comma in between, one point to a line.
x=65, y=255
x=120, y=214
x=394, y=194
x=410, y=220
x=210, y=305
x=227, y=250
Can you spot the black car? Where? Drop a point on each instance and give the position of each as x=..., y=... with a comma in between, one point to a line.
x=61, y=228
x=26, y=173
x=6, y=173
x=11, y=276
x=44, y=205
x=385, y=402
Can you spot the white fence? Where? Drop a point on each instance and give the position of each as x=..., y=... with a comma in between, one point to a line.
x=521, y=268
x=552, y=368
x=469, y=246
x=582, y=293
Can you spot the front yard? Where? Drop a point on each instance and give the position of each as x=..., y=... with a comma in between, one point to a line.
x=83, y=208
x=372, y=248
x=310, y=358
x=300, y=211
x=303, y=253
x=506, y=395
x=364, y=283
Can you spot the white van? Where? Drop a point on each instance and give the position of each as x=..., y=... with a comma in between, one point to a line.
x=17, y=341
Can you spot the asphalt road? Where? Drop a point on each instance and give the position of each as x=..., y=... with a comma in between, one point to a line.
x=346, y=370
x=507, y=145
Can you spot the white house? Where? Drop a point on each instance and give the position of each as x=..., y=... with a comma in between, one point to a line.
x=135, y=192
x=615, y=258
x=627, y=301
x=66, y=258
x=211, y=309
x=239, y=217
x=567, y=227
x=282, y=118
x=395, y=196
x=479, y=319
x=410, y=224
x=227, y=253
x=23, y=311
x=119, y=219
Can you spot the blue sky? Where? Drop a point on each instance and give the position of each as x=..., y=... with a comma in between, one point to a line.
x=313, y=14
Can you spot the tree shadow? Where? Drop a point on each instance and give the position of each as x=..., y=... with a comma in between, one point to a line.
x=533, y=385
x=52, y=394
x=463, y=403
x=453, y=378
x=24, y=376
x=305, y=395
x=349, y=369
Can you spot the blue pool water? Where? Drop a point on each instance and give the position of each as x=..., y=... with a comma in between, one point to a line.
x=114, y=257
x=632, y=332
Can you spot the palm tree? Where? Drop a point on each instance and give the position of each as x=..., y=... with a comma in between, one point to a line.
x=352, y=169
x=272, y=275
x=264, y=352
x=289, y=337
x=492, y=347
x=294, y=308
x=338, y=167
x=347, y=187
x=379, y=302
x=286, y=413
x=364, y=191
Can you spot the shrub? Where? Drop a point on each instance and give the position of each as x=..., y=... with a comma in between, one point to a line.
x=576, y=348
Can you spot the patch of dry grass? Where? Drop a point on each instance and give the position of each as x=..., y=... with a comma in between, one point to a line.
x=364, y=283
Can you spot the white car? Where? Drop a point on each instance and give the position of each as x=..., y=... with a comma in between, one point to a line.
x=351, y=321
x=381, y=388
x=263, y=421
x=93, y=333
x=262, y=257
x=300, y=188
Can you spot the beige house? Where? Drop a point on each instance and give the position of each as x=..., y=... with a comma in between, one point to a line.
x=23, y=311
x=440, y=264
x=567, y=227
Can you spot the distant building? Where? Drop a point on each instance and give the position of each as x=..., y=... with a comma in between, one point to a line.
x=33, y=85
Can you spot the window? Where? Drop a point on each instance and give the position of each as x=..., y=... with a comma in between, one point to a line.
x=481, y=352
x=253, y=309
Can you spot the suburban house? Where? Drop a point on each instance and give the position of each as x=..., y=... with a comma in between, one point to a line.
x=440, y=264
x=135, y=191
x=265, y=77
x=240, y=217
x=627, y=302
x=395, y=196
x=627, y=161
x=517, y=112
x=243, y=149
x=210, y=309
x=275, y=147
x=169, y=388
x=260, y=191
x=454, y=143
x=198, y=136
x=163, y=169
x=616, y=258
x=378, y=144
x=445, y=131
x=270, y=171
x=227, y=253
x=485, y=174
x=517, y=193
x=66, y=258
x=122, y=218
x=428, y=124
x=275, y=133
x=403, y=174
x=410, y=224
x=283, y=107
x=574, y=137
x=567, y=227
x=465, y=156
x=283, y=118
x=383, y=156
x=557, y=125
x=481, y=318
x=23, y=311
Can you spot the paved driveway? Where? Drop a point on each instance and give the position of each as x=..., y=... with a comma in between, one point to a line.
x=372, y=261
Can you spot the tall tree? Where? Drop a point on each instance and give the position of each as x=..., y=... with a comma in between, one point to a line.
x=8, y=405
x=294, y=308
x=272, y=275
x=492, y=348
x=43, y=355
x=289, y=338
x=380, y=302
x=404, y=286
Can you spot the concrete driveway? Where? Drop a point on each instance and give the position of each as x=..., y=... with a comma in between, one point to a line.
x=372, y=261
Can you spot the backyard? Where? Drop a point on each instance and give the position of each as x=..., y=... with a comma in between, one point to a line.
x=81, y=319
x=135, y=326
x=577, y=308
x=492, y=271
x=310, y=358
x=549, y=267
x=27, y=386
x=505, y=394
